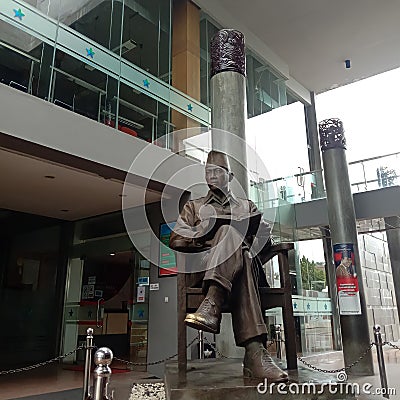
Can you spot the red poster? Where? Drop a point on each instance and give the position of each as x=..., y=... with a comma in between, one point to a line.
x=346, y=279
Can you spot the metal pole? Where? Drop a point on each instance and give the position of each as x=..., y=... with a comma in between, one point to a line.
x=201, y=345
x=278, y=336
x=342, y=222
x=31, y=77
x=381, y=359
x=88, y=364
x=102, y=358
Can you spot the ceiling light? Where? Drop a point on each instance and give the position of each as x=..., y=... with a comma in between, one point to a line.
x=112, y=254
x=129, y=45
x=49, y=176
x=89, y=67
x=65, y=210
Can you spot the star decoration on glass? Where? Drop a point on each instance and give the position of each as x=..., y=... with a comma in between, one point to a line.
x=294, y=305
x=325, y=306
x=308, y=306
x=71, y=313
x=141, y=313
x=207, y=353
x=90, y=52
x=18, y=14
x=146, y=83
x=190, y=107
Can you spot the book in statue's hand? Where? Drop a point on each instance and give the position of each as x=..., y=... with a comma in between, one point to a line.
x=246, y=225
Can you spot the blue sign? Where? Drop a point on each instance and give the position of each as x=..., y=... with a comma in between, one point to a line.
x=144, y=281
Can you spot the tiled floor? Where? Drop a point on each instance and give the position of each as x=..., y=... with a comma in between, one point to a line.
x=54, y=378
x=334, y=360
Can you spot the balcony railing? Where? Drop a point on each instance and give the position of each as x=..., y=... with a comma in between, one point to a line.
x=365, y=175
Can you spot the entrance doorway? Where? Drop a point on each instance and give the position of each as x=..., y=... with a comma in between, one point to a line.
x=103, y=293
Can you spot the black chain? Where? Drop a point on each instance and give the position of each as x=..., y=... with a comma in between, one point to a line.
x=391, y=345
x=154, y=362
x=41, y=364
x=332, y=371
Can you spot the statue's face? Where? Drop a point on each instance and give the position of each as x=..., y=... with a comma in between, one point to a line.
x=217, y=178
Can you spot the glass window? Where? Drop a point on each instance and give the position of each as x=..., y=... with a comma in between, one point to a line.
x=137, y=113
x=146, y=36
x=25, y=61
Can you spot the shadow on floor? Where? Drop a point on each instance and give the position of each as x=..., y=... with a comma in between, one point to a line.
x=73, y=394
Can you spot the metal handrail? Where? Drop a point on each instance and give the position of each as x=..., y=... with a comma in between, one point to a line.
x=374, y=158
x=16, y=50
x=79, y=81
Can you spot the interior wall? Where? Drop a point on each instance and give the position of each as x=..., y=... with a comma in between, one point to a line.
x=28, y=297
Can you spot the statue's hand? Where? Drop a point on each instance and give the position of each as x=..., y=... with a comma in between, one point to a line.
x=200, y=230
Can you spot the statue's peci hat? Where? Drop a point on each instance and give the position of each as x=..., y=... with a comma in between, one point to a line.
x=219, y=159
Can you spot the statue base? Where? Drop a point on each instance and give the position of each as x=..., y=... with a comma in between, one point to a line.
x=221, y=379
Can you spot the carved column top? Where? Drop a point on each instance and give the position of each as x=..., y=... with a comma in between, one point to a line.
x=331, y=134
x=227, y=52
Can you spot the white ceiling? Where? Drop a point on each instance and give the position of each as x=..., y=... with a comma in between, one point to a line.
x=314, y=37
x=24, y=188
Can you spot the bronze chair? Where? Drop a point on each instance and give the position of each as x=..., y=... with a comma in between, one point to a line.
x=189, y=299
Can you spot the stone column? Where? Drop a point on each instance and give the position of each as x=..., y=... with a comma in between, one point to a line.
x=314, y=155
x=342, y=221
x=331, y=280
x=228, y=113
x=228, y=99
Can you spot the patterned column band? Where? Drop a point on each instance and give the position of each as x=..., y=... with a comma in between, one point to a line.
x=227, y=52
x=331, y=134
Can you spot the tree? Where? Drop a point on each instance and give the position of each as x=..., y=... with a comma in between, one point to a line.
x=386, y=176
x=312, y=278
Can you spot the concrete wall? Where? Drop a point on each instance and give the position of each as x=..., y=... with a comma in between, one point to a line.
x=37, y=121
x=372, y=204
x=378, y=284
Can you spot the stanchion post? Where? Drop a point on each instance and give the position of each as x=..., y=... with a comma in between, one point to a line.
x=381, y=359
x=278, y=335
x=88, y=364
x=102, y=358
x=201, y=344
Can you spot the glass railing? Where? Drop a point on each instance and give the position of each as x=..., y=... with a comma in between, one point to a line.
x=375, y=172
x=298, y=188
x=365, y=175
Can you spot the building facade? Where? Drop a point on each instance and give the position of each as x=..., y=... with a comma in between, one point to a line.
x=86, y=87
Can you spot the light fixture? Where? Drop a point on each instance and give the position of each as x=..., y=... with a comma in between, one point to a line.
x=347, y=64
x=49, y=176
x=112, y=254
x=128, y=45
x=89, y=67
x=65, y=210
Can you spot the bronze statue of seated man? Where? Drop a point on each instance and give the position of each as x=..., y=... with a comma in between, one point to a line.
x=230, y=271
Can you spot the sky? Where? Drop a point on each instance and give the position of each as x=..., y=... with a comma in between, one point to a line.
x=368, y=110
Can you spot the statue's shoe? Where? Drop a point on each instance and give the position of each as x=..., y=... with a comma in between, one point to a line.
x=259, y=364
x=207, y=317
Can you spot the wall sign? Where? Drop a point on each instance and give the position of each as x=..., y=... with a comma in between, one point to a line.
x=167, y=263
x=346, y=279
x=141, y=294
